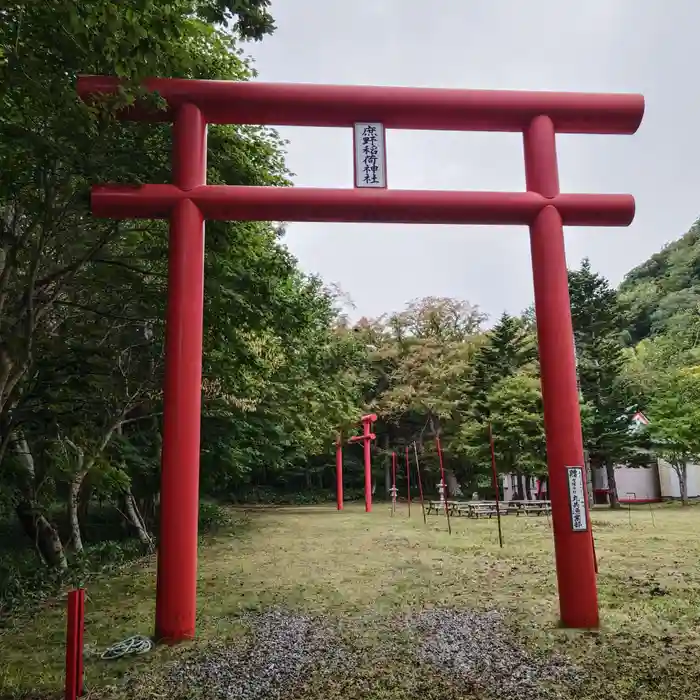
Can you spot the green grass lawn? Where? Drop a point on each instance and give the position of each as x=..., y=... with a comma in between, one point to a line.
x=363, y=572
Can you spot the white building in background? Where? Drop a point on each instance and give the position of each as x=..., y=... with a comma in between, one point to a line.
x=533, y=489
x=656, y=482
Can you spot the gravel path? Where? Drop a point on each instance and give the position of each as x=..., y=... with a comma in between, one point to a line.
x=471, y=650
x=478, y=649
x=285, y=648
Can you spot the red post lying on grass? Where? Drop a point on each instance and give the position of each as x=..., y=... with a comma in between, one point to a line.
x=366, y=439
x=339, y=470
x=408, y=482
x=74, y=644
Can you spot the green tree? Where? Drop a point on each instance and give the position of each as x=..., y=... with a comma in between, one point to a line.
x=514, y=411
x=667, y=284
x=674, y=427
x=506, y=351
x=78, y=384
x=510, y=345
x=607, y=421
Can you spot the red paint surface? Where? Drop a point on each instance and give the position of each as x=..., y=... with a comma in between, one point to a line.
x=339, y=471
x=640, y=501
x=75, y=625
x=290, y=104
x=176, y=591
x=408, y=482
x=234, y=203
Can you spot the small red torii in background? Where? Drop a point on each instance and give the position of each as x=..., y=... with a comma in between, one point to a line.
x=366, y=440
x=539, y=116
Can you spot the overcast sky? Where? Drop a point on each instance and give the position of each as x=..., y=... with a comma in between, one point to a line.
x=645, y=46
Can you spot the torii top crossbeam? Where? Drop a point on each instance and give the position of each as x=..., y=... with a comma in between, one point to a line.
x=437, y=109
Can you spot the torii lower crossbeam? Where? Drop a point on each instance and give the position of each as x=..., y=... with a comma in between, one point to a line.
x=191, y=104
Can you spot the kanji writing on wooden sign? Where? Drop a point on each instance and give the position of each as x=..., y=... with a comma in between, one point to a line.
x=577, y=499
x=370, y=155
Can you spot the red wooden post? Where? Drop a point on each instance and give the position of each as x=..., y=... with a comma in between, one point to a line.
x=339, y=471
x=394, y=492
x=578, y=599
x=496, y=486
x=538, y=115
x=444, y=483
x=408, y=482
x=368, y=437
x=176, y=592
x=74, y=644
x=366, y=444
x=420, y=484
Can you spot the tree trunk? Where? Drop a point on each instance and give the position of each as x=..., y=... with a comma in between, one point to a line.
x=136, y=520
x=589, y=477
x=84, y=499
x=612, y=484
x=682, y=472
x=453, y=487
x=387, y=467
x=44, y=535
x=73, y=500
x=148, y=509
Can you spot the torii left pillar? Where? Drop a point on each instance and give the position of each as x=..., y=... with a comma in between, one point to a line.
x=366, y=438
x=176, y=591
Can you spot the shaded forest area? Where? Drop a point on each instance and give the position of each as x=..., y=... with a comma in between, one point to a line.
x=82, y=304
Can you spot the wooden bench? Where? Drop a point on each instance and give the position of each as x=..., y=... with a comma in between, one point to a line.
x=528, y=507
x=533, y=507
x=436, y=507
x=439, y=507
x=462, y=508
x=455, y=508
x=536, y=509
x=476, y=509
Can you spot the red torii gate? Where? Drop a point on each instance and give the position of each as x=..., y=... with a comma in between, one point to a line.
x=192, y=104
x=365, y=438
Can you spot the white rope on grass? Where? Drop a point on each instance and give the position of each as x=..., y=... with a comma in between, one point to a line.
x=132, y=646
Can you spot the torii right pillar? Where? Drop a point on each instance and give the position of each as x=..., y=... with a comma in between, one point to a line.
x=573, y=542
